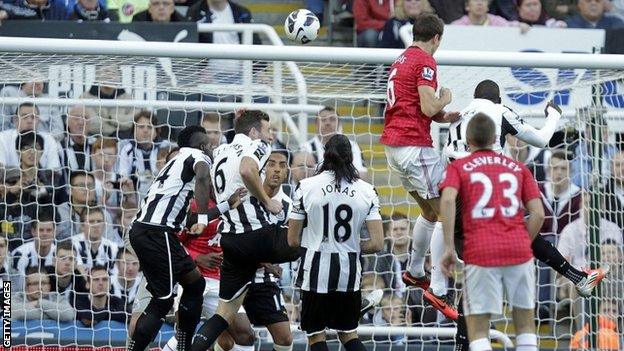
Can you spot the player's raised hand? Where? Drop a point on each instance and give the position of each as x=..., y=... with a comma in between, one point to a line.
x=197, y=229
x=553, y=105
x=449, y=260
x=274, y=206
x=237, y=197
x=445, y=95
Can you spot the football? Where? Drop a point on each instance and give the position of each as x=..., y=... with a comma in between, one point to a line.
x=302, y=26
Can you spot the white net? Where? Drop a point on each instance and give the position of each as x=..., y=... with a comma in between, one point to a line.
x=179, y=92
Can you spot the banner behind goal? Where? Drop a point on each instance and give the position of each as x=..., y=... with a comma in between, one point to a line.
x=112, y=89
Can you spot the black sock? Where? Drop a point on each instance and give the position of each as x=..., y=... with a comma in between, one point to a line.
x=209, y=332
x=461, y=336
x=189, y=312
x=547, y=253
x=319, y=346
x=355, y=345
x=149, y=324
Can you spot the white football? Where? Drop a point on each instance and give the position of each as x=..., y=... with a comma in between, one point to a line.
x=302, y=26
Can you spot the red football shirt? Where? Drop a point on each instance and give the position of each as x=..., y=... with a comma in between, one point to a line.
x=492, y=189
x=405, y=123
x=207, y=242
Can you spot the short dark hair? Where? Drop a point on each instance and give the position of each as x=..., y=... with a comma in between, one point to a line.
x=34, y=270
x=79, y=173
x=327, y=108
x=489, y=90
x=26, y=104
x=248, y=120
x=481, y=131
x=65, y=245
x=28, y=139
x=426, y=26
x=44, y=214
x=186, y=136
x=398, y=216
x=98, y=267
x=560, y=154
x=122, y=252
x=282, y=152
x=211, y=117
x=91, y=210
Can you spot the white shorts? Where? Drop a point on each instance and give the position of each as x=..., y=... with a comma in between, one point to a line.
x=420, y=169
x=483, y=288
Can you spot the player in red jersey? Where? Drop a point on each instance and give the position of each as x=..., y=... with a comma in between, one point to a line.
x=411, y=106
x=492, y=189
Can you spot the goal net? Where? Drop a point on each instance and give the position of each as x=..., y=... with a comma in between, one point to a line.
x=101, y=98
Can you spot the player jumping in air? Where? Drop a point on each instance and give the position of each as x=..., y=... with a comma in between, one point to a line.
x=411, y=106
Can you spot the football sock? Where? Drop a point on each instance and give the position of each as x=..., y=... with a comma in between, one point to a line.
x=438, y=279
x=421, y=237
x=149, y=323
x=209, y=332
x=319, y=346
x=526, y=342
x=481, y=345
x=355, y=345
x=461, y=335
x=189, y=312
x=547, y=253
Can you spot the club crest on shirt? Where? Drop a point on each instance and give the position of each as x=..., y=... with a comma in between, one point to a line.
x=428, y=73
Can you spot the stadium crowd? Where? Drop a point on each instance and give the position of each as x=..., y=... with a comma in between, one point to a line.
x=71, y=180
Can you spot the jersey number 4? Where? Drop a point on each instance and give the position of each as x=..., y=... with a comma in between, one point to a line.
x=481, y=210
x=343, y=216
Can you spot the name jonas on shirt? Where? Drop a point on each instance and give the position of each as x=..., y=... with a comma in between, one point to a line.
x=490, y=160
x=329, y=189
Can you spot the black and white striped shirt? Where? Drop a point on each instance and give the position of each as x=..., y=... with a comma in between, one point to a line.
x=334, y=215
x=251, y=214
x=26, y=256
x=104, y=255
x=76, y=157
x=262, y=276
x=169, y=195
x=129, y=295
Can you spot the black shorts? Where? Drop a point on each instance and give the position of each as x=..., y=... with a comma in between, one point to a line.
x=335, y=310
x=161, y=256
x=264, y=304
x=243, y=253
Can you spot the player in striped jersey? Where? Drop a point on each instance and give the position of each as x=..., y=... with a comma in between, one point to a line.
x=153, y=237
x=331, y=208
x=487, y=100
x=248, y=237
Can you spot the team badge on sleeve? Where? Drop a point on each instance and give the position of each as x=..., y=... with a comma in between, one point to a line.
x=428, y=73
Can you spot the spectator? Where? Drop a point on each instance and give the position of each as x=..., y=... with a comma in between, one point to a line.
x=535, y=159
x=591, y=14
x=583, y=161
x=162, y=157
x=562, y=204
x=611, y=254
x=608, y=336
x=614, y=190
x=76, y=146
x=477, y=15
x=137, y=157
x=328, y=125
x=92, y=248
x=39, y=252
x=44, y=10
x=27, y=119
x=211, y=121
x=38, y=186
x=83, y=196
x=5, y=268
x=370, y=17
x=109, y=121
x=124, y=10
x=39, y=302
x=222, y=12
x=448, y=10
x=615, y=8
x=87, y=11
x=49, y=121
x=98, y=305
x=302, y=166
x=159, y=11
x=532, y=13
x=560, y=9
x=404, y=12
x=125, y=284
x=393, y=313
x=15, y=218
x=65, y=276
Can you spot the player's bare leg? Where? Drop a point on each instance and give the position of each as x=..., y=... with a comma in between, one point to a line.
x=526, y=339
x=479, y=332
x=282, y=336
x=208, y=333
x=351, y=341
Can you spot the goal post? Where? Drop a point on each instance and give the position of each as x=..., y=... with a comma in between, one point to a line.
x=180, y=81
